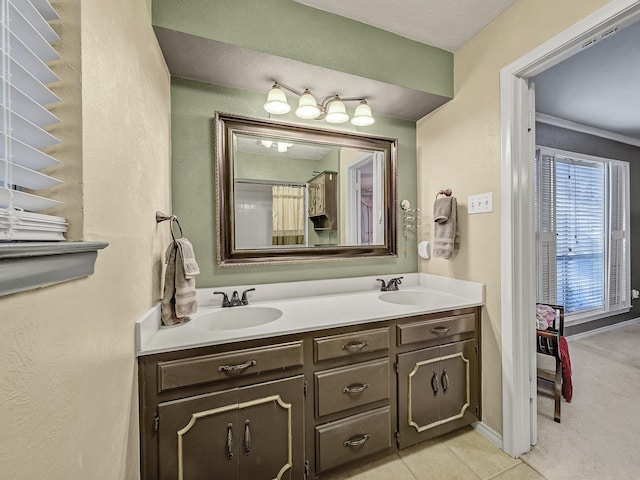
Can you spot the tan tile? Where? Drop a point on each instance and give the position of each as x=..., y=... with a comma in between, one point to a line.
x=435, y=461
x=337, y=476
x=390, y=467
x=519, y=472
x=480, y=455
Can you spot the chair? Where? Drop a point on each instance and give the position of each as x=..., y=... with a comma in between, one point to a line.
x=548, y=343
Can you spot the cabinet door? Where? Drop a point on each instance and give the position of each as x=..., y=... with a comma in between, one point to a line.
x=313, y=198
x=272, y=439
x=418, y=395
x=196, y=437
x=458, y=373
x=320, y=196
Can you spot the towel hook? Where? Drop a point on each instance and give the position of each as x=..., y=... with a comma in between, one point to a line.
x=162, y=217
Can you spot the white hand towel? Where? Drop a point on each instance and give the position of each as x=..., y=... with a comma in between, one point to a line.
x=444, y=233
x=442, y=209
x=179, y=295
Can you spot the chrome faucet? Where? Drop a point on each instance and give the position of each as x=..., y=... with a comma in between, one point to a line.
x=391, y=286
x=235, y=300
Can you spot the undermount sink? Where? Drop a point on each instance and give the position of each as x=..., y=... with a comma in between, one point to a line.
x=407, y=298
x=236, y=318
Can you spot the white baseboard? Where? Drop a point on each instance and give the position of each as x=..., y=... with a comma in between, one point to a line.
x=596, y=331
x=488, y=433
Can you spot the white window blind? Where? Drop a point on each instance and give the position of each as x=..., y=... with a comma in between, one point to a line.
x=580, y=210
x=582, y=222
x=25, y=49
x=619, y=268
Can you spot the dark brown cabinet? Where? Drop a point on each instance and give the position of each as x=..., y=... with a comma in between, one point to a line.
x=305, y=405
x=437, y=386
x=249, y=432
x=323, y=200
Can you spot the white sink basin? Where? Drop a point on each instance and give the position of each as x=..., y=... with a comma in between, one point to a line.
x=408, y=298
x=235, y=318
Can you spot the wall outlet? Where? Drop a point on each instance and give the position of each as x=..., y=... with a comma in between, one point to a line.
x=635, y=294
x=480, y=203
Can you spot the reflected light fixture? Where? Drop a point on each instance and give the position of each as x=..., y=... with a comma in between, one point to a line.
x=282, y=147
x=332, y=108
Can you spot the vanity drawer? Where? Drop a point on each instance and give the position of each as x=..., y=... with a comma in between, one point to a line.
x=223, y=366
x=352, y=438
x=349, y=344
x=351, y=386
x=434, y=329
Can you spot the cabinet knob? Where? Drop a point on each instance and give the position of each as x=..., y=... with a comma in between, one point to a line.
x=355, y=388
x=356, y=442
x=434, y=383
x=444, y=380
x=440, y=330
x=229, y=441
x=354, y=346
x=237, y=368
x=247, y=438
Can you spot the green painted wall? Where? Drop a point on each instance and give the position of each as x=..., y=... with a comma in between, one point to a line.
x=193, y=107
x=262, y=167
x=291, y=30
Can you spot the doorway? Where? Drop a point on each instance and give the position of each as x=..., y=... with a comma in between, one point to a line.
x=364, y=223
x=517, y=113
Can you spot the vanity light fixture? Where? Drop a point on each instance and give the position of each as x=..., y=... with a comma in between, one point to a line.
x=331, y=109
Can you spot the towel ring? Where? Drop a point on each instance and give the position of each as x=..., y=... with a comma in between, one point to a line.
x=162, y=217
x=447, y=192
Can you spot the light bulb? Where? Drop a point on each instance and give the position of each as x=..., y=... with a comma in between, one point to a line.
x=277, y=101
x=336, y=112
x=362, y=116
x=307, y=106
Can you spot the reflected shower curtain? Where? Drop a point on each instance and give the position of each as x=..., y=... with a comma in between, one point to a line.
x=288, y=215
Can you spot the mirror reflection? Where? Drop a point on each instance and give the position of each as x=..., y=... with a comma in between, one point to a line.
x=289, y=192
x=299, y=194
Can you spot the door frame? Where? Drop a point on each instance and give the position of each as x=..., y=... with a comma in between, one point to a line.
x=516, y=217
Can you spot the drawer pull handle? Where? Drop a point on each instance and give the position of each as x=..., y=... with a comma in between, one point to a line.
x=440, y=330
x=434, y=383
x=444, y=380
x=247, y=438
x=229, y=441
x=355, y=388
x=356, y=442
x=237, y=368
x=354, y=346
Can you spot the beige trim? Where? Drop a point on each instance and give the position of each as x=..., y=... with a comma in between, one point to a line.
x=441, y=421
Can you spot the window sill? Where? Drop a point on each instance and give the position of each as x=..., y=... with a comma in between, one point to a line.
x=27, y=266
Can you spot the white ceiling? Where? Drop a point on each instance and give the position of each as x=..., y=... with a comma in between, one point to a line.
x=447, y=24
x=598, y=87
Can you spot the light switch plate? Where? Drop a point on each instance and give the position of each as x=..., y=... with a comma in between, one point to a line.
x=480, y=203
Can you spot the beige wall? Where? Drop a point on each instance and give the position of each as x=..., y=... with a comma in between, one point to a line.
x=459, y=148
x=68, y=397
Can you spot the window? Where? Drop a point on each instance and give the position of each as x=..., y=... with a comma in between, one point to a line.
x=25, y=50
x=582, y=222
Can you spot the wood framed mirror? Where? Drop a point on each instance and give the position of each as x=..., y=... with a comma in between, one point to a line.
x=290, y=193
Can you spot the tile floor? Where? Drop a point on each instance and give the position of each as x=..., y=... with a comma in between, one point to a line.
x=461, y=455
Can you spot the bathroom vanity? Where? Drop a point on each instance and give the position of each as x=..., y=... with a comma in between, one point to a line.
x=308, y=401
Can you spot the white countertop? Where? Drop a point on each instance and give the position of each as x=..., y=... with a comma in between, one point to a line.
x=307, y=306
